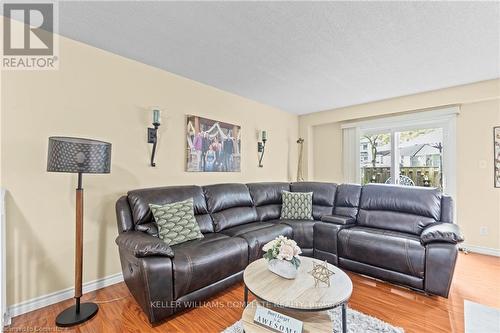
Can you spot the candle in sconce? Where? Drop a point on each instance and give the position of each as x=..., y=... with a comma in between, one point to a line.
x=264, y=135
x=156, y=116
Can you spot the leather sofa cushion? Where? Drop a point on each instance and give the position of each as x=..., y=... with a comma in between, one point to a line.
x=199, y=263
x=267, y=193
x=267, y=198
x=399, y=208
x=392, y=250
x=412, y=200
x=233, y=216
x=256, y=235
x=229, y=205
x=139, y=201
x=268, y=212
x=224, y=196
x=396, y=221
x=303, y=231
x=244, y=228
x=323, y=196
x=347, y=200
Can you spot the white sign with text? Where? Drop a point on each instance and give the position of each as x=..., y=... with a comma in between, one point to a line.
x=276, y=321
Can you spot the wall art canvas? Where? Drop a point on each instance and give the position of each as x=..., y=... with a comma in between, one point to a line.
x=496, y=158
x=212, y=146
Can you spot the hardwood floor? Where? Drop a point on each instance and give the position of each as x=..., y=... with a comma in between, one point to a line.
x=476, y=279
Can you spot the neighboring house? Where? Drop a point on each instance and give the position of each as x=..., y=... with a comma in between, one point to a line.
x=420, y=151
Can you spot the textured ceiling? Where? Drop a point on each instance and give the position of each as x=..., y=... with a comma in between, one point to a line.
x=300, y=56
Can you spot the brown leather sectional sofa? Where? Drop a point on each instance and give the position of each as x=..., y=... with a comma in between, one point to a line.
x=400, y=234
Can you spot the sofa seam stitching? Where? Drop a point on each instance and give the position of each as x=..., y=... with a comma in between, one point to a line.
x=190, y=261
x=408, y=261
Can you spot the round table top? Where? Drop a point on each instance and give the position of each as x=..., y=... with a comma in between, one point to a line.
x=299, y=293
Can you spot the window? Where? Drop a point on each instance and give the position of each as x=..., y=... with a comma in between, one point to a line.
x=414, y=149
x=417, y=158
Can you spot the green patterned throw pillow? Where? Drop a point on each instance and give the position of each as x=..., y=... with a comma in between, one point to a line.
x=176, y=222
x=297, y=205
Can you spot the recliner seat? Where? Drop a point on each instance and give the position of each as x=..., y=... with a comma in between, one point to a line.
x=387, y=249
x=199, y=263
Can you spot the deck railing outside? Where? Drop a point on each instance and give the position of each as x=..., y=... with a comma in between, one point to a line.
x=421, y=176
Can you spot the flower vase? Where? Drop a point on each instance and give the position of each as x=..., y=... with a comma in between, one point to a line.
x=282, y=268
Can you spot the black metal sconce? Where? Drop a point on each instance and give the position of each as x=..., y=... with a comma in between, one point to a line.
x=261, y=147
x=153, y=134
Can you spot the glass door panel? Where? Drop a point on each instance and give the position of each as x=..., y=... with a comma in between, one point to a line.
x=375, y=157
x=416, y=156
x=420, y=154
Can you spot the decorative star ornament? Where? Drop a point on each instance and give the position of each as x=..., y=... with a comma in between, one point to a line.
x=321, y=273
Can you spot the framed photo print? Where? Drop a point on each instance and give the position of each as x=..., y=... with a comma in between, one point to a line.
x=212, y=146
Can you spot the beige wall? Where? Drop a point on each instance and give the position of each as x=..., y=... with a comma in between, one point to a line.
x=100, y=95
x=478, y=202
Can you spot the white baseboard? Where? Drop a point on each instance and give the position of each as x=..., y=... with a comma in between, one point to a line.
x=481, y=250
x=58, y=296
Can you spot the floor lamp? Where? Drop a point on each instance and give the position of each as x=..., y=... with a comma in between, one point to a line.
x=76, y=155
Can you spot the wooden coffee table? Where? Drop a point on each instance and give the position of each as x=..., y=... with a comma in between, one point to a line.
x=297, y=298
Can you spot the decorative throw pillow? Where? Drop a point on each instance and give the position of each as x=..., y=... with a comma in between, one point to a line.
x=297, y=205
x=176, y=222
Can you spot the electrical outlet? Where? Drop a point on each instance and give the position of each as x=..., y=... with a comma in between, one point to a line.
x=483, y=231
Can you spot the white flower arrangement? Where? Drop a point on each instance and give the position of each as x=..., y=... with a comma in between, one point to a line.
x=283, y=248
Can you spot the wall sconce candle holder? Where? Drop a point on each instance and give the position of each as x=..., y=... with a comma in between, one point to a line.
x=153, y=134
x=261, y=147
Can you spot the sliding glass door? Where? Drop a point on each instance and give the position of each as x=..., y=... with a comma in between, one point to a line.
x=411, y=156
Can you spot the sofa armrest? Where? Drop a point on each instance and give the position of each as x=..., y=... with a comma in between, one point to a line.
x=441, y=233
x=440, y=260
x=338, y=219
x=325, y=240
x=143, y=245
x=151, y=281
